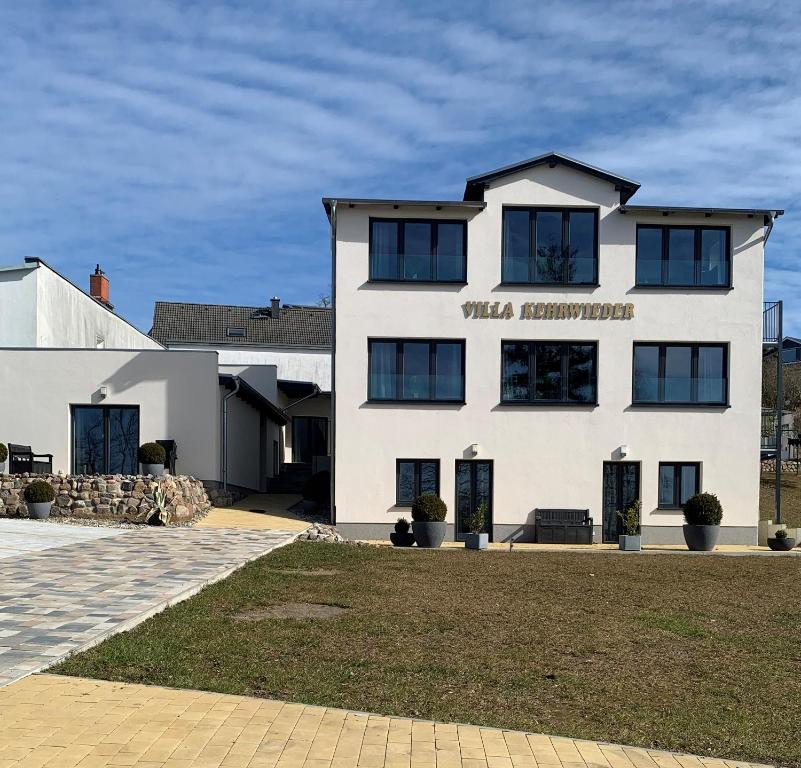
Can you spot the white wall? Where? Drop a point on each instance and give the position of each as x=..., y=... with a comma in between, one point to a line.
x=263, y=378
x=177, y=393
x=18, y=306
x=546, y=457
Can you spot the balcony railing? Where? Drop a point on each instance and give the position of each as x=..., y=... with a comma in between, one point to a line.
x=771, y=322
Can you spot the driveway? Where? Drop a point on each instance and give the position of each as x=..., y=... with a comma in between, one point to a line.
x=65, y=588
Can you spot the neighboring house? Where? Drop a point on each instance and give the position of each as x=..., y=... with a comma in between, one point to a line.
x=791, y=349
x=296, y=340
x=543, y=343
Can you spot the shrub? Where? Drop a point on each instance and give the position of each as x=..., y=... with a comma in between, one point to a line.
x=703, y=509
x=429, y=508
x=3, y=452
x=781, y=534
x=39, y=491
x=151, y=453
x=402, y=526
x=477, y=521
x=318, y=488
x=630, y=519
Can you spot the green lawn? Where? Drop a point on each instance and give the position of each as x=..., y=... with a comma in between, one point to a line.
x=671, y=651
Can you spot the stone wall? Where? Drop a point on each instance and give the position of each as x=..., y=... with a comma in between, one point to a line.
x=115, y=497
x=769, y=465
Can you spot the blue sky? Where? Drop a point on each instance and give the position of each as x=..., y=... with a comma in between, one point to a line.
x=185, y=146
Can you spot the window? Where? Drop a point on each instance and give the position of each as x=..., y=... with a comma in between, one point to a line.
x=415, y=250
x=419, y=370
x=677, y=374
x=413, y=477
x=550, y=245
x=237, y=332
x=105, y=439
x=689, y=257
x=677, y=482
x=549, y=372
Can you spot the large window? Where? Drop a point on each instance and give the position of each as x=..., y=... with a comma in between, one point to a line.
x=550, y=245
x=413, y=477
x=680, y=374
x=417, y=250
x=105, y=439
x=422, y=370
x=549, y=372
x=677, y=482
x=689, y=257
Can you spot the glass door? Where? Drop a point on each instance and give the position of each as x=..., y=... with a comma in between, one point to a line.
x=621, y=487
x=105, y=439
x=473, y=487
x=309, y=438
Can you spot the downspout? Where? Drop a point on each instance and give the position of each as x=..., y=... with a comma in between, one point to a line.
x=333, y=358
x=314, y=393
x=225, y=432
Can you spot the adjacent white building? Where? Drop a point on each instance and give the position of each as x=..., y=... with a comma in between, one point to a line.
x=544, y=343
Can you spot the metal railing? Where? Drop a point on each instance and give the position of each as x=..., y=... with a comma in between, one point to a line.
x=771, y=322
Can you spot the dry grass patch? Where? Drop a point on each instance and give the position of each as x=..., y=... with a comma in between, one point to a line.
x=791, y=497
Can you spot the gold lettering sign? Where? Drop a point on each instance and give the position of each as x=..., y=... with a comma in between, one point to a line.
x=530, y=310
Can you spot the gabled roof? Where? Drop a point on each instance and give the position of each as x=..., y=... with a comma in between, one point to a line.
x=209, y=324
x=253, y=398
x=474, y=189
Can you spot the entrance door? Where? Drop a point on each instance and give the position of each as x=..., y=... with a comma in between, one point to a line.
x=473, y=487
x=309, y=438
x=621, y=489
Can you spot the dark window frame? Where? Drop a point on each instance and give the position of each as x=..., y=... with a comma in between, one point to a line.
x=677, y=467
x=696, y=285
x=402, y=222
x=105, y=408
x=532, y=256
x=459, y=534
x=432, y=356
x=565, y=363
x=232, y=332
x=694, y=402
x=417, y=466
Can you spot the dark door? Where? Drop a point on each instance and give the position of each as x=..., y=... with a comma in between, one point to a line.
x=621, y=488
x=105, y=439
x=309, y=438
x=473, y=487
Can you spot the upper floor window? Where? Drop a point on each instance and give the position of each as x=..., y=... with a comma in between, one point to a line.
x=680, y=374
x=420, y=370
x=550, y=245
x=417, y=250
x=688, y=257
x=549, y=372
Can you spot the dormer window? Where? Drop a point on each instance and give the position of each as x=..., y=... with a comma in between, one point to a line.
x=236, y=332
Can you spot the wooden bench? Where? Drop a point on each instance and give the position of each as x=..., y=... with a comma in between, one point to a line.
x=22, y=459
x=563, y=526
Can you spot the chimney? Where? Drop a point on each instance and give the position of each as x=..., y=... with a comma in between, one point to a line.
x=98, y=287
x=275, y=307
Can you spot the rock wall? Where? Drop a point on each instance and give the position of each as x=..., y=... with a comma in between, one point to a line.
x=769, y=465
x=115, y=497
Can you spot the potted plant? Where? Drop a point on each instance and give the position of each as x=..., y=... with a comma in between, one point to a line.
x=151, y=457
x=702, y=514
x=781, y=542
x=428, y=520
x=629, y=540
x=402, y=537
x=3, y=457
x=477, y=538
x=39, y=496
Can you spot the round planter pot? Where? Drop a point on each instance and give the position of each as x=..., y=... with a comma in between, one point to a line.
x=157, y=470
x=39, y=510
x=781, y=545
x=629, y=543
x=402, y=539
x=476, y=541
x=429, y=535
x=701, y=538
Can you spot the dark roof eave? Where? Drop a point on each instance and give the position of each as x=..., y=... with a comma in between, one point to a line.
x=665, y=210
x=352, y=202
x=254, y=398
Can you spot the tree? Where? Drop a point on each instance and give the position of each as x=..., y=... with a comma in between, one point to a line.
x=791, y=376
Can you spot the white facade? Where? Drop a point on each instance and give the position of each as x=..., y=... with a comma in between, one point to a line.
x=545, y=456
x=40, y=308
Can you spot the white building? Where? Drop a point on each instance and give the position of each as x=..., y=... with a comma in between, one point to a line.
x=543, y=343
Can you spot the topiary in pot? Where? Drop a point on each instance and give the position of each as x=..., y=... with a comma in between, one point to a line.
x=702, y=514
x=781, y=542
x=429, y=526
x=401, y=537
x=629, y=539
x=3, y=454
x=477, y=538
x=39, y=496
x=151, y=457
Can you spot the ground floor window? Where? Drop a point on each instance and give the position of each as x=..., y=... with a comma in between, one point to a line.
x=677, y=482
x=105, y=439
x=414, y=477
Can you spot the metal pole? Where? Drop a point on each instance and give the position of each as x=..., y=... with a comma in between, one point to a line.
x=779, y=412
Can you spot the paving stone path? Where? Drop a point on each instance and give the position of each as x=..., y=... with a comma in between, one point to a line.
x=77, y=585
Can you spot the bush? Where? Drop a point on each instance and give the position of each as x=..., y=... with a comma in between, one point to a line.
x=429, y=508
x=781, y=534
x=478, y=520
x=3, y=452
x=630, y=520
x=39, y=491
x=703, y=509
x=318, y=488
x=402, y=526
x=151, y=453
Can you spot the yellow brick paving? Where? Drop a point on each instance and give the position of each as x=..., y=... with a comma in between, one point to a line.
x=63, y=722
x=273, y=517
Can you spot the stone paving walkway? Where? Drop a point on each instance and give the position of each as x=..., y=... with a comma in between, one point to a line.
x=21, y=537
x=67, y=722
x=68, y=597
